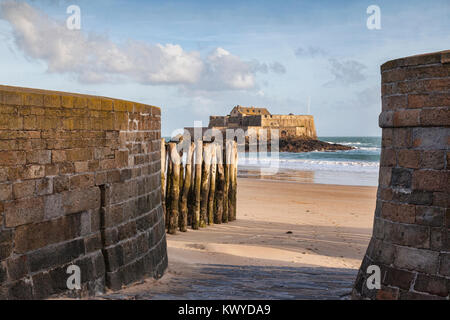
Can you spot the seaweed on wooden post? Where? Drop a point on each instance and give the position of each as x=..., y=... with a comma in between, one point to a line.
x=198, y=183
x=226, y=202
x=191, y=196
x=174, y=180
x=233, y=182
x=186, y=189
x=168, y=186
x=235, y=187
x=206, y=170
x=212, y=188
x=181, y=174
x=181, y=183
x=163, y=175
x=218, y=212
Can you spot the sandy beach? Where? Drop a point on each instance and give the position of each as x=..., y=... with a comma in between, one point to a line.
x=283, y=223
x=301, y=228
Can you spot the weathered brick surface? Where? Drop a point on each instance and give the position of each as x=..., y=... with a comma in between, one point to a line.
x=410, y=241
x=431, y=180
x=432, y=285
x=79, y=184
x=396, y=212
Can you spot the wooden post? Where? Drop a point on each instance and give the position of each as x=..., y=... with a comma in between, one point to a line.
x=181, y=175
x=174, y=188
x=236, y=161
x=163, y=175
x=226, y=202
x=206, y=171
x=191, y=194
x=233, y=182
x=181, y=183
x=212, y=188
x=218, y=212
x=186, y=189
x=198, y=183
x=191, y=199
x=168, y=186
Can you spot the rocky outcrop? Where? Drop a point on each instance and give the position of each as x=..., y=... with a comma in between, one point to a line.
x=301, y=144
x=308, y=145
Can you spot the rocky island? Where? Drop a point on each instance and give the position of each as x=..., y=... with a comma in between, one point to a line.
x=297, y=133
x=299, y=144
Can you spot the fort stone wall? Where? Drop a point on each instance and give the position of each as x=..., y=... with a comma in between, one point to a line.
x=217, y=121
x=288, y=125
x=79, y=185
x=291, y=125
x=252, y=121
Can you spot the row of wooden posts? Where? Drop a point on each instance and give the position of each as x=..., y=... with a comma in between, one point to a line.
x=198, y=183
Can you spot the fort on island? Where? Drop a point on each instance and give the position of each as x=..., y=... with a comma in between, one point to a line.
x=248, y=118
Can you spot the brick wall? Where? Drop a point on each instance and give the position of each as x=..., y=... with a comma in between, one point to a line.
x=410, y=241
x=79, y=184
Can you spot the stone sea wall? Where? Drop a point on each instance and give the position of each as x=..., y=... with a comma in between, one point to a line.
x=410, y=241
x=79, y=185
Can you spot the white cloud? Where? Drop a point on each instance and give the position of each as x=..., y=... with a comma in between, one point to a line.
x=96, y=59
x=226, y=71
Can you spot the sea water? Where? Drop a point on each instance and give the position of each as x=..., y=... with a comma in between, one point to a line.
x=351, y=167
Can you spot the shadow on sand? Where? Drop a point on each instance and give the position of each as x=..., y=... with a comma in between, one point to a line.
x=230, y=282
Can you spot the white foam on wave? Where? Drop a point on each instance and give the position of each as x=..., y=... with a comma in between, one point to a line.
x=369, y=148
x=311, y=165
x=349, y=143
x=364, y=158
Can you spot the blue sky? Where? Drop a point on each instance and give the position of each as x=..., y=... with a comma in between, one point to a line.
x=274, y=54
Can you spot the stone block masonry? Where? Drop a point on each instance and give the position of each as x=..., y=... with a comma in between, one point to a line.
x=79, y=184
x=410, y=241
